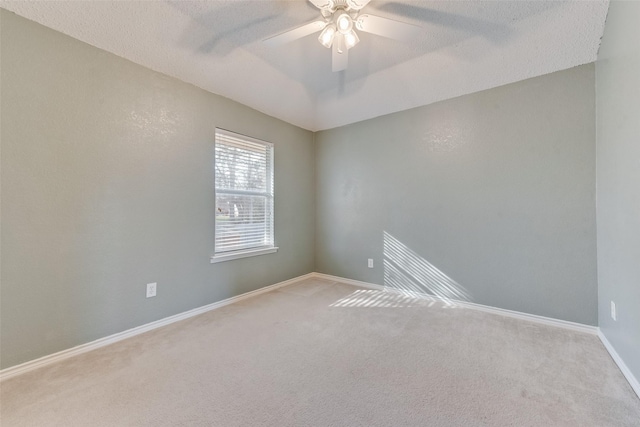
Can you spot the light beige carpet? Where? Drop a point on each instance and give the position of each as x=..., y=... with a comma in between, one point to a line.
x=325, y=354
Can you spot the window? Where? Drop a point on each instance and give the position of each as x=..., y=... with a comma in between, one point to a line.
x=244, y=196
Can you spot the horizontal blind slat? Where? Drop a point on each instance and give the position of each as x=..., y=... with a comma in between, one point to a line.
x=243, y=164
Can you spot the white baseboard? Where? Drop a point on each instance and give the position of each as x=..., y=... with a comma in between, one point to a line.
x=579, y=327
x=350, y=281
x=84, y=348
x=633, y=381
x=101, y=342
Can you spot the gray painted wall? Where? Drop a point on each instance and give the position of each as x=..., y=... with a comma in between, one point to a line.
x=489, y=198
x=107, y=184
x=618, y=189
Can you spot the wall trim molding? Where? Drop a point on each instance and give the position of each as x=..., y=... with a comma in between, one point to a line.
x=633, y=381
x=578, y=327
x=31, y=365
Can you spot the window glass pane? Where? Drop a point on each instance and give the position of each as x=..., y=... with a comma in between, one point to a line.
x=241, y=165
x=244, y=193
x=242, y=222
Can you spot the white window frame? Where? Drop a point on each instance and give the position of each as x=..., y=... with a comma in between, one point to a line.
x=269, y=193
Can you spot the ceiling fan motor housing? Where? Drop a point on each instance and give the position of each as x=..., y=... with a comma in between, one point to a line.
x=331, y=6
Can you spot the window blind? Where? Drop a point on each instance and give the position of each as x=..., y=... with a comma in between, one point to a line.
x=244, y=193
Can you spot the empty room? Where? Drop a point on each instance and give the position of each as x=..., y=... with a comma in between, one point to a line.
x=320, y=213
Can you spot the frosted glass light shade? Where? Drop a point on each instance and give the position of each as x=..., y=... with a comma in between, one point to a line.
x=351, y=39
x=327, y=35
x=344, y=23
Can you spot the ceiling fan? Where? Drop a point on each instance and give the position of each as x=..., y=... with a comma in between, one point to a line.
x=340, y=20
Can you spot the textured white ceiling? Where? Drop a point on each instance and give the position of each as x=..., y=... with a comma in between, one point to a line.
x=467, y=46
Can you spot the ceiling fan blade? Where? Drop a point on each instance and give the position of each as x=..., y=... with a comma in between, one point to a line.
x=340, y=54
x=295, y=34
x=389, y=28
x=493, y=31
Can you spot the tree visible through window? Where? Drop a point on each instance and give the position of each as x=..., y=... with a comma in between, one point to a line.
x=244, y=193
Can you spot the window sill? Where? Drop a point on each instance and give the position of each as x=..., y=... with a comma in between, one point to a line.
x=243, y=254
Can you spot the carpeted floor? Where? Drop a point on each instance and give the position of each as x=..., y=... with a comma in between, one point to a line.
x=320, y=353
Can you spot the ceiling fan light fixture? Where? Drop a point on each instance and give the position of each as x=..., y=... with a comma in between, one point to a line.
x=351, y=39
x=339, y=26
x=327, y=35
x=344, y=23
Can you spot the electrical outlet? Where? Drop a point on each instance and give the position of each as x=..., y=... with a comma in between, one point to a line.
x=370, y=263
x=614, y=315
x=151, y=289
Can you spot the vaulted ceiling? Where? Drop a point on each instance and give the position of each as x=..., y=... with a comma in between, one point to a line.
x=466, y=46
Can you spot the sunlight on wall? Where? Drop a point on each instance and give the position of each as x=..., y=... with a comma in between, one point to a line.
x=409, y=281
x=408, y=272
